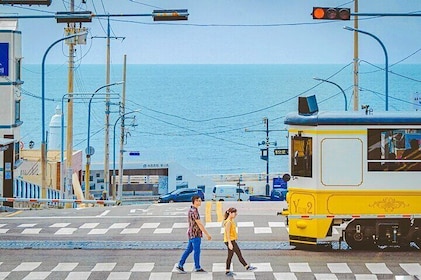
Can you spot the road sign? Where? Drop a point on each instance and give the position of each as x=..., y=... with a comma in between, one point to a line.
x=90, y=151
x=280, y=152
x=134, y=153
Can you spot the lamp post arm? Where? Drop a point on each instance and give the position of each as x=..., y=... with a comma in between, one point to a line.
x=89, y=109
x=343, y=92
x=114, y=179
x=43, y=77
x=386, y=62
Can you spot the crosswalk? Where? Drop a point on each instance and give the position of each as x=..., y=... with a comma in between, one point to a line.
x=129, y=228
x=154, y=271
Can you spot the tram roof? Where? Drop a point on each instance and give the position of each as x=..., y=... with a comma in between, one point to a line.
x=355, y=118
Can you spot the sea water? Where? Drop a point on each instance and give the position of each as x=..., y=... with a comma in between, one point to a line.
x=208, y=118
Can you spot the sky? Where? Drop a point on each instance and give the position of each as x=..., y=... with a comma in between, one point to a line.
x=225, y=32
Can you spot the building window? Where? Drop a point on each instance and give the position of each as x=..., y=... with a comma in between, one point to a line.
x=17, y=111
x=18, y=69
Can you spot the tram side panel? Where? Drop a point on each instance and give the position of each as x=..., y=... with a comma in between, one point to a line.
x=345, y=178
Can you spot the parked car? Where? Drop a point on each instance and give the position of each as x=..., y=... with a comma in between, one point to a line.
x=276, y=195
x=229, y=192
x=181, y=195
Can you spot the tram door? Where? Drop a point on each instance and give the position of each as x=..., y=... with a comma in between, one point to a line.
x=301, y=156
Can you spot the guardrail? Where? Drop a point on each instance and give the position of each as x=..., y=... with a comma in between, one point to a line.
x=49, y=200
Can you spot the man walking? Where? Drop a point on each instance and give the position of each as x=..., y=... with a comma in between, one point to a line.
x=195, y=233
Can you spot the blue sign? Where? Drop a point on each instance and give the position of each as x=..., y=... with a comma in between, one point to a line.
x=4, y=59
x=278, y=183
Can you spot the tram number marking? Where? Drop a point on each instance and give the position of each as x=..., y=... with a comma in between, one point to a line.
x=308, y=209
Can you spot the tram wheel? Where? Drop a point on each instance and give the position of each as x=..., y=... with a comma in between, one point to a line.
x=361, y=239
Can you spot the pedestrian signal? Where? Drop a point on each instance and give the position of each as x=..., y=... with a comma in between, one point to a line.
x=331, y=13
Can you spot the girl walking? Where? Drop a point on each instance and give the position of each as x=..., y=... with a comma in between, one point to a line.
x=230, y=240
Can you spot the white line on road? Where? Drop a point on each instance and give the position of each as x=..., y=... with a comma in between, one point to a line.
x=104, y=213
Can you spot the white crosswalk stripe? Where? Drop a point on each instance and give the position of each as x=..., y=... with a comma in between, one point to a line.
x=114, y=271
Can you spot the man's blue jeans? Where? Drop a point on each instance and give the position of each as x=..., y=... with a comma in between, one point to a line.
x=193, y=245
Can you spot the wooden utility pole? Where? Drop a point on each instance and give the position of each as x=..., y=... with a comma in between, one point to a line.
x=70, y=29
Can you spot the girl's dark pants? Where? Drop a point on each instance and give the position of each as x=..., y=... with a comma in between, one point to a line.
x=237, y=251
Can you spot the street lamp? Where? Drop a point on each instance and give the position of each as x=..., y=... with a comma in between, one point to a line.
x=44, y=142
x=114, y=180
x=73, y=96
x=343, y=92
x=386, y=61
x=89, y=150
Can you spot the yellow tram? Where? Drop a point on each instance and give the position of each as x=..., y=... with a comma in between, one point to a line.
x=357, y=170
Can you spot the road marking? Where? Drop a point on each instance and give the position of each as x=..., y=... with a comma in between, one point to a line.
x=142, y=267
x=104, y=267
x=378, y=268
x=98, y=231
x=82, y=275
x=219, y=214
x=14, y=213
x=285, y=276
x=60, y=225
x=104, y=213
x=65, y=231
x=411, y=268
x=208, y=211
x=130, y=231
x=258, y=230
x=31, y=231
x=65, y=267
x=27, y=266
x=299, y=267
x=119, y=225
x=339, y=268
x=89, y=225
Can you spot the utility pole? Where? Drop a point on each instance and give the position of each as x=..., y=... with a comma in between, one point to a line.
x=356, y=87
x=265, y=151
x=69, y=129
x=122, y=134
x=107, y=115
x=267, y=143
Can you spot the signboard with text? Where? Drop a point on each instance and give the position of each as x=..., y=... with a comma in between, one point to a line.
x=4, y=59
x=280, y=152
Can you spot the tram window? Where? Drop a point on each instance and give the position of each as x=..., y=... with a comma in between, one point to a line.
x=301, y=157
x=394, y=149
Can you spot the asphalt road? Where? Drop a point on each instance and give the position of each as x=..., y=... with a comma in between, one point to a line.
x=145, y=241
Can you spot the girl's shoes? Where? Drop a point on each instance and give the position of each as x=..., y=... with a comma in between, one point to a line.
x=251, y=268
x=229, y=274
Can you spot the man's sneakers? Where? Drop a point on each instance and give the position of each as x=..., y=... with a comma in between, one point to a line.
x=200, y=270
x=251, y=268
x=180, y=269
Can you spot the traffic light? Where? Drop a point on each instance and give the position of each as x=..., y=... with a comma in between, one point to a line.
x=170, y=15
x=26, y=2
x=331, y=13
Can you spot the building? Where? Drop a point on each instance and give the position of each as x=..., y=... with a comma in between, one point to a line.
x=10, y=97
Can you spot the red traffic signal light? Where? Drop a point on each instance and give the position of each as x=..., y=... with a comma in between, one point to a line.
x=331, y=13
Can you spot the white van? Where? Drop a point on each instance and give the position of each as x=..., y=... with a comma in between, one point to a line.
x=229, y=192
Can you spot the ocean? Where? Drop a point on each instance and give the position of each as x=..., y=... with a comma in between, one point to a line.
x=197, y=115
